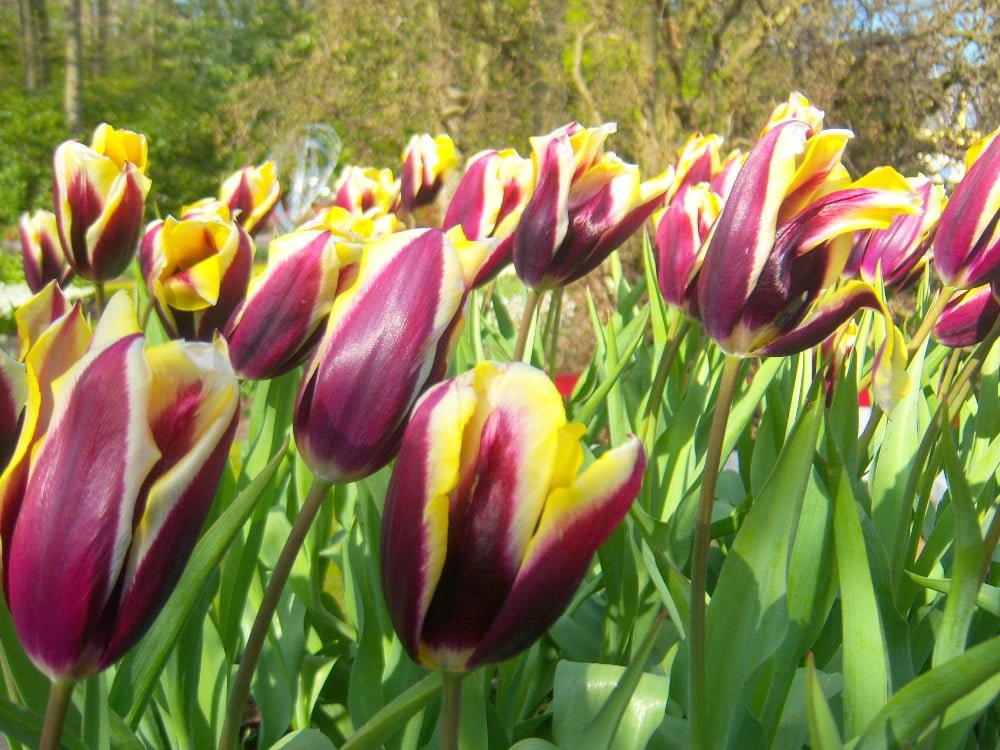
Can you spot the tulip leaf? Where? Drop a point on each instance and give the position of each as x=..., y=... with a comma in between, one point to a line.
x=914, y=706
x=391, y=718
x=987, y=600
x=534, y=743
x=139, y=671
x=22, y=683
x=304, y=739
x=748, y=604
x=656, y=303
x=823, y=733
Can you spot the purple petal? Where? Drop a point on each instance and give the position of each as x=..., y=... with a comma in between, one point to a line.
x=968, y=318
x=545, y=219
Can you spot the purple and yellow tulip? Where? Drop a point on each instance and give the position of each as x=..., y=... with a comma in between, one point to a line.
x=279, y=323
x=585, y=203
x=387, y=339
x=681, y=230
x=698, y=160
x=488, y=203
x=197, y=271
x=100, y=196
x=967, y=241
x=796, y=107
x=900, y=249
x=42, y=252
x=426, y=163
x=13, y=396
x=723, y=180
x=366, y=190
x=117, y=463
x=489, y=525
x=969, y=317
x=251, y=194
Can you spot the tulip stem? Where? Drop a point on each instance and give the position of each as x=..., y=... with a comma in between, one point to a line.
x=55, y=714
x=100, y=295
x=697, y=710
x=530, y=305
x=262, y=622
x=551, y=333
x=660, y=381
x=451, y=709
x=938, y=304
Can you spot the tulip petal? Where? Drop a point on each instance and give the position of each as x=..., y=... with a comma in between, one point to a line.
x=13, y=397
x=377, y=353
x=37, y=314
x=112, y=239
x=575, y=522
x=193, y=412
x=477, y=198
x=81, y=180
x=968, y=318
x=65, y=556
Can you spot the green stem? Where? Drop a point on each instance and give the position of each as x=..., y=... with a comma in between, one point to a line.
x=101, y=296
x=390, y=717
x=262, y=622
x=698, y=709
x=55, y=714
x=552, y=331
x=530, y=305
x=660, y=381
x=940, y=301
x=949, y=373
x=451, y=709
x=865, y=441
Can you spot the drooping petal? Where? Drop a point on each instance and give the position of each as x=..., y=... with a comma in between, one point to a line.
x=65, y=556
x=575, y=522
x=968, y=318
x=194, y=399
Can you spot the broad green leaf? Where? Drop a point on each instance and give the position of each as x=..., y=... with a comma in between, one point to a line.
x=581, y=690
x=304, y=739
x=912, y=709
x=748, y=605
x=392, y=717
x=823, y=734
x=139, y=672
x=24, y=725
x=534, y=744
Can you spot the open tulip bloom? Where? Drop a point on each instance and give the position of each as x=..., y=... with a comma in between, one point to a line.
x=364, y=190
x=585, y=203
x=489, y=525
x=117, y=462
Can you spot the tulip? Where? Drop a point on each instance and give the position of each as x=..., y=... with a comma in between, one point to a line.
x=13, y=395
x=41, y=251
x=681, y=230
x=386, y=339
x=698, y=160
x=898, y=250
x=365, y=190
x=488, y=203
x=722, y=181
x=36, y=315
x=100, y=195
x=584, y=205
x=967, y=241
x=426, y=163
x=251, y=194
x=797, y=107
x=280, y=321
x=969, y=317
x=197, y=271
x=489, y=526
x=110, y=482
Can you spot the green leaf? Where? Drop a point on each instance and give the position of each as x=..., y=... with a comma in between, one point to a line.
x=391, y=718
x=139, y=672
x=988, y=599
x=823, y=734
x=912, y=709
x=304, y=739
x=534, y=744
x=581, y=690
x=748, y=605
x=24, y=725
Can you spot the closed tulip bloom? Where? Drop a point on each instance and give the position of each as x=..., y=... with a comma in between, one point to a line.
x=796, y=107
x=969, y=317
x=723, y=180
x=967, y=241
x=100, y=194
x=585, y=203
x=197, y=271
x=681, y=230
x=386, y=339
x=110, y=483
x=42, y=254
x=488, y=203
x=899, y=250
x=698, y=160
x=426, y=163
x=279, y=323
x=365, y=190
x=489, y=525
x=251, y=194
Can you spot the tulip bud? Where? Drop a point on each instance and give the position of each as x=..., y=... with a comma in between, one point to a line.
x=364, y=190
x=899, y=249
x=278, y=325
x=426, y=163
x=488, y=203
x=969, y=317
x=100, y=195
x=43, y=257
x=386, y=339
x=108, y=488
x=681, y=230
x=251, y=194
x=489, y=526
x=698, y=160
x=197, y=271
x=584, y=205
x=967, y=241
x=797, y=107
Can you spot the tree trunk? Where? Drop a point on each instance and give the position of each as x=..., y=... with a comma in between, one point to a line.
x=74, y=66
x=30, y=43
